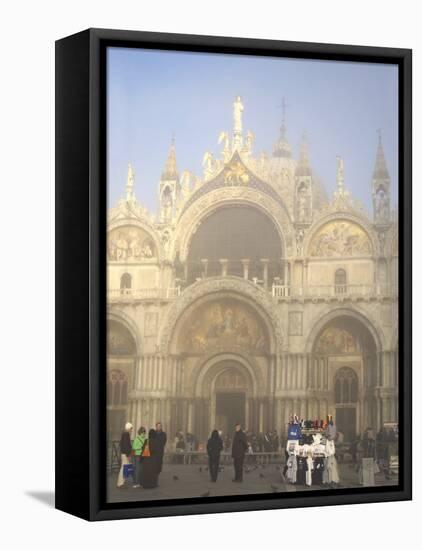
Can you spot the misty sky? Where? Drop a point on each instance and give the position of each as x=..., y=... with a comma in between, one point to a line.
x=155, y=94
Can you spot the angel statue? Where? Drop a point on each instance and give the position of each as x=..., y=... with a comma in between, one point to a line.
x=250, y=138
x=224, y=138
x=208, y=163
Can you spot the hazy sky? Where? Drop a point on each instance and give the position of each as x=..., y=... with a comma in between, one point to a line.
x=154, y=94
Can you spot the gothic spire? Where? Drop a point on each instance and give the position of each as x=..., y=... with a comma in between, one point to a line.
x=130, y=184
x=381, y=187
x=170, y=169
x=340, y=176
x=281, y=146
x=380, y=169
x=303, y=167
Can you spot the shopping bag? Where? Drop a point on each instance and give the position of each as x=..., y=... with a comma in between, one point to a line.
x=128, y=471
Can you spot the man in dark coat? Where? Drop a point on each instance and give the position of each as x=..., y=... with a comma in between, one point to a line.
x=161, y=443
x=239, y=448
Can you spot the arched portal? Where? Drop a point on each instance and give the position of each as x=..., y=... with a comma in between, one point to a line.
x=121, y=358
x=226, y=390
x=345, y=375
x=235, y=240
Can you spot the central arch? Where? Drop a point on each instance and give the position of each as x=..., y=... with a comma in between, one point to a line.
x=223, y=288
x=234, y=238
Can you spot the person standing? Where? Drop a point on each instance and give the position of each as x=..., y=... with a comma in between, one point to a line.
x=239, y=448
x=150, y=461
x=161, y=443
x=214, y=448
x=125, y=452
x=137, y=446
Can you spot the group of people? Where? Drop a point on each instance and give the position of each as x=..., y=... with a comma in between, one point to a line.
x=145, y=453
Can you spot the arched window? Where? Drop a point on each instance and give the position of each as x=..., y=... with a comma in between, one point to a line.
x=116, y=388
x=346, y=386
x=125, y=283
x=340, y=281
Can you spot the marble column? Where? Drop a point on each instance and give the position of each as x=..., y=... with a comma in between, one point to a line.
x=265, y=262
x=245, y=264
x=224, y=262
x=204, y=263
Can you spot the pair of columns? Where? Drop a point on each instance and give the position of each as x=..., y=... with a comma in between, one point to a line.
x=224, y=262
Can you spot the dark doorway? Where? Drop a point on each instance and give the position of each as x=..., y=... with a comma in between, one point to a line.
x=229, y=409
x=346, y=422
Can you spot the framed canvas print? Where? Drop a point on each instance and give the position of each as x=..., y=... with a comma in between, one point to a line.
x=233, y=274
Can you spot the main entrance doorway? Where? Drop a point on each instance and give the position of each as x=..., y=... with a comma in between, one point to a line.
x=346, y=422
x=230, y=398
x=229, y=410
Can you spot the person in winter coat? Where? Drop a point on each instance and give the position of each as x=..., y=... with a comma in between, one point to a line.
x=137, y=446
x=214, y=448
x=161, y=443
x=239, y=448
x=125, y=452
x=150, y=460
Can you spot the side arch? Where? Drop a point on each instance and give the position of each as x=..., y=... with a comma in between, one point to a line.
x=342, y=216
x=124, y=319
x=146, y=227
x=330, y=315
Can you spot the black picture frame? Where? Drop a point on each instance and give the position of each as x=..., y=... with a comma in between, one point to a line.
x=81, y=272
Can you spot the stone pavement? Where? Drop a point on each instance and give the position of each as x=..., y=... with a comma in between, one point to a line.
x=180, y=481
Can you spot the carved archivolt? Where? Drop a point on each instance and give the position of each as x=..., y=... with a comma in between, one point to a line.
x=341, y=236
x=204, y=206
x=226, y=289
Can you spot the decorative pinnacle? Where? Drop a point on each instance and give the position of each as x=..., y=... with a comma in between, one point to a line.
x=281, y=146
x=170, y=169
x=130, y=184
x=340, y=175
x=303, y=167
x=380, y=169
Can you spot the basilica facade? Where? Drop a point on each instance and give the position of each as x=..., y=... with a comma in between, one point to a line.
x=252, y=295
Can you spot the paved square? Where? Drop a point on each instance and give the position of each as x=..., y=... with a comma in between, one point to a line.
x=188, y=481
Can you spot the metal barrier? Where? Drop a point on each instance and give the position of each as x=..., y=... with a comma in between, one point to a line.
x=194, y=457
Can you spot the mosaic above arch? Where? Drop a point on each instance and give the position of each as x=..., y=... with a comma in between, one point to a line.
x=129, y=242
x=337, y=340
x=340, y=238
x=223, y=324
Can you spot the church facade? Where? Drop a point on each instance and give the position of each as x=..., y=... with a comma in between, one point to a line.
x=252, y=296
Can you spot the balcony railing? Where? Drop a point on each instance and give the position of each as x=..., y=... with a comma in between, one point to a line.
x=278, y=291
x=335, y=291
x=130, y=294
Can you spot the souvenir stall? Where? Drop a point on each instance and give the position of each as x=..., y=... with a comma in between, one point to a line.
x=310, y=453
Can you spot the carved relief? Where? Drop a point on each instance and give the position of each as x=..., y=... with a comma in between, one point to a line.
x=340, y=238
x=236, y=174
x=129, y=243
x=224, y=324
